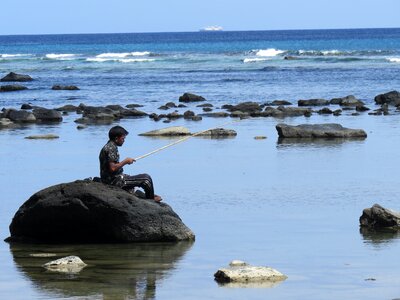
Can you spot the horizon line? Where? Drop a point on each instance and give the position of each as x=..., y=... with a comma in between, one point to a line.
x=198, y=31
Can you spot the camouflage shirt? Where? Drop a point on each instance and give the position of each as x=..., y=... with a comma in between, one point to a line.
x=109, y=153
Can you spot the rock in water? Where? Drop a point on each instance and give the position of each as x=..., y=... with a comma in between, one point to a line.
x=188, y=97
x=16, y=77
x=69, y=264
x=86, y=211
x=379, y=217
x=169, y=131
x=318, y=131
x=242, y=272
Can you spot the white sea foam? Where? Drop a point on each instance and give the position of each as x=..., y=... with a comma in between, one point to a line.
x=122, y=55
x=60, y=56
x=123, y=60
x=14, y=55
x=253, y=60
x=268, y=52
x=393, y=59
x=331, y=52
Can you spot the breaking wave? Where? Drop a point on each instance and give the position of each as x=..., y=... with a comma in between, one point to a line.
x=123, y=60
x=271, y=52
x=123, y=55
x=60, y=56
x=393, y=59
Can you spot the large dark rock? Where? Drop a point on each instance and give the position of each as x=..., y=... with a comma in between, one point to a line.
x=21, y=116
x=248, y=107
x=313, y=102
x=47, y=115
x=318, y=131
x=349, y=100
x=16, y=77
x=392, y=98
x=282, y=112
x=379, y=217
x=12, y=88
x=86, y=211
x=188, y=97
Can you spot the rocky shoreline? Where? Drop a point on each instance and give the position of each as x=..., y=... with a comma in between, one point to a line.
x=387, y=103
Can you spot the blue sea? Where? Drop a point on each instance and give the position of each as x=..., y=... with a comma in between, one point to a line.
x=290, y=205
x=223, y=67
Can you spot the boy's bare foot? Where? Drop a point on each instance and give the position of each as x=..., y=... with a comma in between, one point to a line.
x=157, y=198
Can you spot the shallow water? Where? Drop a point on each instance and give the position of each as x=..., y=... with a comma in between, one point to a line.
x=293, y=206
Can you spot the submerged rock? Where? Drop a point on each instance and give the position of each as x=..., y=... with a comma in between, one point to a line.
x=218, y=133
x=90, y=212
x=12, y=88
x=69, y=264
x=58, y=87
x=329, y=130
x=42, y=137
x=379, y=217
x=242, y=272
x=16, y=77
x=5, y=123
x=169, y=131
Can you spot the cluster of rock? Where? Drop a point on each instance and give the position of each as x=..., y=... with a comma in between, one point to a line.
x=87, y=211
x=14, y=77
x=111, y=113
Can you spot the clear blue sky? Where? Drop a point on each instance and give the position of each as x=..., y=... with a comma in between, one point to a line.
x=107, y=16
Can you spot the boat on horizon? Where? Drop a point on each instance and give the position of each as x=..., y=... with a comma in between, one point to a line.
x=212, y=28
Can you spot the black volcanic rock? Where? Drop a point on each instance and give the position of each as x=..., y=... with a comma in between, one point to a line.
x=87, y=211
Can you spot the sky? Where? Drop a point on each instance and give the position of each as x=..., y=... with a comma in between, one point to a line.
x=121, y=16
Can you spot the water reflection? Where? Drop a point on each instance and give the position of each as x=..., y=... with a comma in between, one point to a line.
x=117, y=271
x=283, y=143
x=379, y=238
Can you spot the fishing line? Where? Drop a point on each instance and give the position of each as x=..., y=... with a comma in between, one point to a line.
x=184, y=139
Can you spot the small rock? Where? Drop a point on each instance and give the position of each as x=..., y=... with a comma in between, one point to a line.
x=196, y=118
x=134, y=105
x=12, y=88
x=5, y=122
x=218, y=132
x=169, y=131
x=205, y=105
x=237, y=263
x=260, y=137
x=69, y=264
x=81, y=126
x=248, y=274
x=64, y=87
x=42, y=137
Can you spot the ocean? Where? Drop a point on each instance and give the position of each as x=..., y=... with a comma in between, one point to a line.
x=224, y=67
x=293, y=206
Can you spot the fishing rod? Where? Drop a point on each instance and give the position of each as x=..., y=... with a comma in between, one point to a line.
x=184, y=139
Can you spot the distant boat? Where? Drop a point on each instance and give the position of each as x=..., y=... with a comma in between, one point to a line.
x=212, y=28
